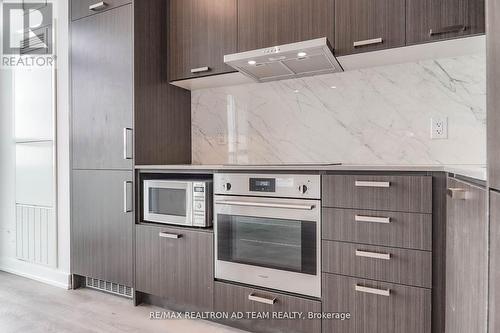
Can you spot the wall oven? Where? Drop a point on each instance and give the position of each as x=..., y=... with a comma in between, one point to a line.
x=181, y=202
x=268, y=231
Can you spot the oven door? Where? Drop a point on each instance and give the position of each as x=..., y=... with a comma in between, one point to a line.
x=269, y=242
x=168, y=202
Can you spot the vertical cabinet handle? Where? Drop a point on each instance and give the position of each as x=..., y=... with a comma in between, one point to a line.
x=98, y=6
x=200, y=69
x=375, y=291
x=254, y=298
x=368, y=42
x=127, y=196
x=360, y=183
x=127, y=144
x=448, y=29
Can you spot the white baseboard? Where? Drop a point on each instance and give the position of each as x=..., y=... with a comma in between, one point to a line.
x=36, y=272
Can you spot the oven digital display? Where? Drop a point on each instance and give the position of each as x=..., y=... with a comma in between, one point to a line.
x=199, y=189
x=262, y=185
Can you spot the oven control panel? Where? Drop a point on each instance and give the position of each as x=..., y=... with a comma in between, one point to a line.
x=270, y=185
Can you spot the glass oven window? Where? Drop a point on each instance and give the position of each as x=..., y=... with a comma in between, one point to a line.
x=267, y=242
x=167, y=201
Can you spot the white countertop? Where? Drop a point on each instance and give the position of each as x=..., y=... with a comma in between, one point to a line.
x=472, y=171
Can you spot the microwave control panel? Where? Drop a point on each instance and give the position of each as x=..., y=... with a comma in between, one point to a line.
x=201, y=197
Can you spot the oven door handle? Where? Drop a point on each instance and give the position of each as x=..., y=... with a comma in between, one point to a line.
x=263, y=204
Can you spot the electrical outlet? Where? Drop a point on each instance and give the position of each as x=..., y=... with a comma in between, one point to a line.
x=439, y=128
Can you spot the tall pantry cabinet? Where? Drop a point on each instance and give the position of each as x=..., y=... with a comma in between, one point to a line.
x=123, y=113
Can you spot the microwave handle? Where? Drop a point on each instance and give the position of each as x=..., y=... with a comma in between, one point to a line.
x=127, y=196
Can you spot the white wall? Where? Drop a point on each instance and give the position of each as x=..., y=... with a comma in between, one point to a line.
x=378, y=115
x=8, y=262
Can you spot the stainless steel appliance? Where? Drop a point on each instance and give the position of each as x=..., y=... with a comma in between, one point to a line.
x=182, y=202
x=268, y=231
x=311, y=57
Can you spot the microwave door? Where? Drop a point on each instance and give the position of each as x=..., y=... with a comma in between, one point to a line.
x=168, y=202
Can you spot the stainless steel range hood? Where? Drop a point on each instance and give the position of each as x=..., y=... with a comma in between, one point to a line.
x=312, y=57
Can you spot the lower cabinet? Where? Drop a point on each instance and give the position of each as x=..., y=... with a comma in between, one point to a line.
x=234, y=298
x=375, y=307
x=466, y=258
x=102, y=225
x=175, y=264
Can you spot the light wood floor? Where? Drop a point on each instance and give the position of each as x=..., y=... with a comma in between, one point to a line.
x=30, y=306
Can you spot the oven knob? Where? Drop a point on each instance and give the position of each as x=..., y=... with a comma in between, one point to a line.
x=303, y=189
x=227, y=186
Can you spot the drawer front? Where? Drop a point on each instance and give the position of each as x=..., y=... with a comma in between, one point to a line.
x=176, y=264
x=232, y=298
x=406, y=230
x=375, y=307
x=410, y=267
x=83, y=8
x=396, y=193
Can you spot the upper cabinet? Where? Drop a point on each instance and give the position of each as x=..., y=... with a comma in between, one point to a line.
x=367, y=25
x=201, y=33
x=431, y=20
x=264, y=23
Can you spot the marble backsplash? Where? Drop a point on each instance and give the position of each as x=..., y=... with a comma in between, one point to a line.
x=378, y=115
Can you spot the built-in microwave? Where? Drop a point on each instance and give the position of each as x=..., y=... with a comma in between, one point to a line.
x=180, y=202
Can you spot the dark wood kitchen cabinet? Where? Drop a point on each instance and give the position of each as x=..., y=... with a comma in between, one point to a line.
x=494, y=291
x=432, y=20
x=264, y=23
x=176, y=264
x=123, y=112
x=102, y=85
x=201, y=33
x=466, y=258
x=102, y=225
x=366, y=25
x=375, y=307
x=235, y=298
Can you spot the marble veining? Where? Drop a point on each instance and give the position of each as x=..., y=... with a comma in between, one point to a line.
x=372, y=116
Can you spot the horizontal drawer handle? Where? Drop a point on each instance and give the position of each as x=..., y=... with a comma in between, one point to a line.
x=457, y=193
x=360, y=183
x=368, y=42
x=448, y=29
x=375, y=291
x=254, y=298
x=169, y=235
x=200, y=69
x=98, y=6
x=374, y=255
x=372, y=219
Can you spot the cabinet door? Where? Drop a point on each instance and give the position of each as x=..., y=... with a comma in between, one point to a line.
x=201, y=33
x=102, y=225
x=82, y=8
x=430, y=20
x=176, y=264
x=466, y=258
x=366, y=25
x=264, y=23
x=494, y=304
x=102, y=90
